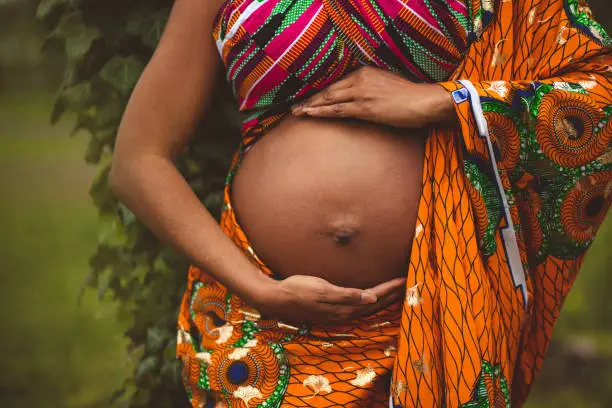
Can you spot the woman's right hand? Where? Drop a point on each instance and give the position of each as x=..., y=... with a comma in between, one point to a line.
x=303, y=299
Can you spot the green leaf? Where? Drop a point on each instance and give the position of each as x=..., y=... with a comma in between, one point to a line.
x=77, y=35
x=103, y=282
x=155, y=340
x=148, y=26
x=59, y=108
x=148, y=366
x=127, y=216
x=122, y=73
x=171, y=371
x=77, y=96
x=46, y=7
x=106, y=115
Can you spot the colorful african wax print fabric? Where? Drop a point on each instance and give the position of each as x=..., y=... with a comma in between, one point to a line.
x=511, y=201
x=510, y=204
x=279, y=51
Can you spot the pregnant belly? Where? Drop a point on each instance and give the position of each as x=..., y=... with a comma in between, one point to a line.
x=333, y=199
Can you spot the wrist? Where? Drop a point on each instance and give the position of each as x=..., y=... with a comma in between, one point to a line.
x=436, y=106
x=443, y=106
x=259, y=291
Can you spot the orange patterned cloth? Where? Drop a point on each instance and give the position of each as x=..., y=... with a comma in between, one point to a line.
x=234, y=357
x=511, y=203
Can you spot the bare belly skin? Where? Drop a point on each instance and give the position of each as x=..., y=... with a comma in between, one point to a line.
x=335, y=199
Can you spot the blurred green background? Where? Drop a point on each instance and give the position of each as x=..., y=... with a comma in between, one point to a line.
x=57, y=352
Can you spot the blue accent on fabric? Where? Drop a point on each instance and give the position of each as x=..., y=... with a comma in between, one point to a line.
x=237, y=372
x=460, y=95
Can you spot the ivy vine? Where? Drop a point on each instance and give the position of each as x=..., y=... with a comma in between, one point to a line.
x=107, y=45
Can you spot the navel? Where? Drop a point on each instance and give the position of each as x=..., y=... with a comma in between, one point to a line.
x=343, y=229
x=343, y=238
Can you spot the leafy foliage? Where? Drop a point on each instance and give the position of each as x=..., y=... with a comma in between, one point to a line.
x=106, y=46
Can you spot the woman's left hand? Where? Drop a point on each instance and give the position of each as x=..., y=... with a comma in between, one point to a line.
x=381, y=96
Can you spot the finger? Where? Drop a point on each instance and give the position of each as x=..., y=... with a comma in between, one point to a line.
x=339, y=110
x=337, y=295
x=397, y=284
x=333, y=94
x=382, y=303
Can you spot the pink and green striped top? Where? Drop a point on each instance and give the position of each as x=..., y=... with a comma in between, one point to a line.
x=277, y=52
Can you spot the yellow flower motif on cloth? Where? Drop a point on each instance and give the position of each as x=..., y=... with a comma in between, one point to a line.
x=561, y=37
x=343, y=335
x=251, y=343
x=498, y=57
x=240, y=352
x=318, y=383
x=418, y=230
x=247, y=393
x=285, y=326
x=381, y=324
x=564, y=86
x=478, y=27
x=364, y=377
x=225, y=333
x=500, y=87
x=399, y=387
x=389, y=350
x=588, y=84
x=531, y=16
x=205, y=357
x=605, y=158
x=251, y=314
x=412, y=296
x=183, y=337
x=421, y=365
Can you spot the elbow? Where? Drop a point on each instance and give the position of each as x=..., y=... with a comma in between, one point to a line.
x=121, y=166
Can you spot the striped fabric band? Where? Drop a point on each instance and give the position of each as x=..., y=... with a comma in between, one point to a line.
x=277, y=52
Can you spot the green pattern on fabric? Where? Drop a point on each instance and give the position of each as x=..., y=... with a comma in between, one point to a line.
x=490, y=380
x=582, y=16
x=486, y=188
x=291, y=10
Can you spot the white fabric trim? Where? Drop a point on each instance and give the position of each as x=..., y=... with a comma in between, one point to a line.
x=250, y=9
x=508, y=234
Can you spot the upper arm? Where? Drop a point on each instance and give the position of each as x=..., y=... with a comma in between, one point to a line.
x=175, y=86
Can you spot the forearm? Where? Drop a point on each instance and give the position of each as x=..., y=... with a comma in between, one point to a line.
x=160, y=197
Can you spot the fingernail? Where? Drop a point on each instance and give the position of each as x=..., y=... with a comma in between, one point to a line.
x=368, y=297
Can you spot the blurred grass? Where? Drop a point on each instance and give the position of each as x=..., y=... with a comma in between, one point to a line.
x=577, y=372
x=53, y=352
